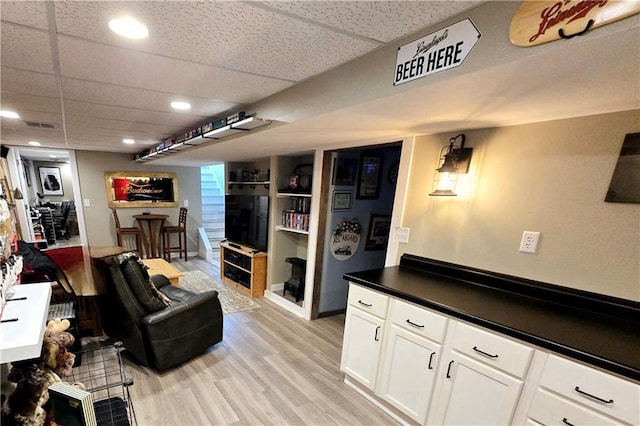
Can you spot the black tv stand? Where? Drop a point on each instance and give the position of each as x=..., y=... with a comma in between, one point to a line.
x=238, y=246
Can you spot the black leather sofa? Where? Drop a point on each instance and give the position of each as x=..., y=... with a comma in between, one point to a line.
x=156, y=335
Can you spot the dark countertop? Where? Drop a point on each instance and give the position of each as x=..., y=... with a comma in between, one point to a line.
x=587, y=332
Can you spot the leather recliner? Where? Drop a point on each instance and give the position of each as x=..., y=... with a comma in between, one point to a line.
x=156, y=335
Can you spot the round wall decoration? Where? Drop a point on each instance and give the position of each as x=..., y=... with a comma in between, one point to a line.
x=345, y=239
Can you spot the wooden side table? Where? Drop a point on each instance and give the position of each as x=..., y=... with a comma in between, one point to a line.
x=162, y=267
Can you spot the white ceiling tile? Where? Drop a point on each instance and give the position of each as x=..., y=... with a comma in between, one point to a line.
x=100, y=63
x=26, y=48
x=29, y=13
x=27, y=82
x=231, y=35
x=384, y=21
x=36, y=103
x=135, y=115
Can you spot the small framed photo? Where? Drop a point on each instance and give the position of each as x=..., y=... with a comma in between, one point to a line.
x=341, y=201
x=345, y=171
x=51, y=181
x=369, y=178
x=378, y=233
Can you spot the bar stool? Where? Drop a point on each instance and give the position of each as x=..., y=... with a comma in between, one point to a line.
x=181, y=230
x=126, y=231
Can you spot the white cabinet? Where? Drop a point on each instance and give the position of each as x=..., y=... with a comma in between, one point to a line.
x=483, y=378
x=411, y=358
x=572, y=393
x=363, y=333
x=362, y=346
x=474, y=393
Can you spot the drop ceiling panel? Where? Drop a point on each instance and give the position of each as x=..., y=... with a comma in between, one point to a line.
x=36, y=103
x=134, y=115
x=233, y=35
x=156, y=102
x=27, y=82
x=266, y=43
x=29, y=13
x=26, y=48
x=21, y=135
x=384, y=21
x=93, y=62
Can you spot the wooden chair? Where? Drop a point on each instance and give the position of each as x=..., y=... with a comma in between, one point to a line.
x=126, y=231
x=181, y=230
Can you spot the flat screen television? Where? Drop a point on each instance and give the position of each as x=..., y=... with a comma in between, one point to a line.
x=246, y=220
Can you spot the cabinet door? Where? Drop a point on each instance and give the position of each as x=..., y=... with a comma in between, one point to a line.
x=362, y=346
x=408, y=373
x=476, y=394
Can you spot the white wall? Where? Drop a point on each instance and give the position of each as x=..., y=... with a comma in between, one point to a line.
x=550, y=177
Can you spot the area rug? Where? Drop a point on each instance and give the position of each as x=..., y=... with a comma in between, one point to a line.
x=231, y=300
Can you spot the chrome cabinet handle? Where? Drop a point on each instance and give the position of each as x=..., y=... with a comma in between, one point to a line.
x=376, y=336
x=414, y=324
x=604, y=401
x=487, y=354
x=430, y=367
x=368, y=305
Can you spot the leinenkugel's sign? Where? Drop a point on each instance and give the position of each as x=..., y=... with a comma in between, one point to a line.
x=536, y=22
x=438, y=51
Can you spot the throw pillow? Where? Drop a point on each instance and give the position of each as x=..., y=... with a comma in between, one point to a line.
x=145, y=292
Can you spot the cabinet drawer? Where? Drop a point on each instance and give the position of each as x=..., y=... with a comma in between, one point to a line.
x=419, y=320
x=601, y=391
x=494, y=350
x=550, y=409
x=368, y=300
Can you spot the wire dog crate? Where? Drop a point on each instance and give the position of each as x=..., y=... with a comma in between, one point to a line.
x=102, y=375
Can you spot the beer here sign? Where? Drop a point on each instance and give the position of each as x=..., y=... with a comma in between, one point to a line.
x=438, y=51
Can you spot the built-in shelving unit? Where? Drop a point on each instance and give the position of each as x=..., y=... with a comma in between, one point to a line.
x=291, y=225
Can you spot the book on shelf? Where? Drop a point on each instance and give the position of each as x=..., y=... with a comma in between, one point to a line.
x=72, y=406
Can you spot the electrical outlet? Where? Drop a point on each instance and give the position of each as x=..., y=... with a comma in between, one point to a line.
x=529, y=242
x=186, y=203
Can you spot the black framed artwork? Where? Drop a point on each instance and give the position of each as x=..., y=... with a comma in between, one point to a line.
x=345, y=171
x=369, y=176
x=378, y=232
x=51, y=181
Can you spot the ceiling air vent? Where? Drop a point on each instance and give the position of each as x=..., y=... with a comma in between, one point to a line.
x=37, y=125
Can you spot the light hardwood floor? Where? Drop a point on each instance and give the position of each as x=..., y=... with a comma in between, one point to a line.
x=272, y=368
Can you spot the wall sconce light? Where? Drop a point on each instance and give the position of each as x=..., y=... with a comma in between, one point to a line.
x=453, y=160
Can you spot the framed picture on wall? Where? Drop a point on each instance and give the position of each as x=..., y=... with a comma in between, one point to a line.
x=369, y=177
x=51, y=181
x=378, y=232
x=341, y=201
x=345, y=171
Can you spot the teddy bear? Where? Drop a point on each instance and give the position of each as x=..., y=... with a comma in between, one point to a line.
x=27, y=403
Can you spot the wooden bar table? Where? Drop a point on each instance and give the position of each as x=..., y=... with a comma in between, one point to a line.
x=155, y=223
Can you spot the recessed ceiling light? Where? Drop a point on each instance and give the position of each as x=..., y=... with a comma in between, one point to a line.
x=9, y=114
x=128, y=27
x=53, y=156
x=34, y=143
x=128, y=141
x=180, y=105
